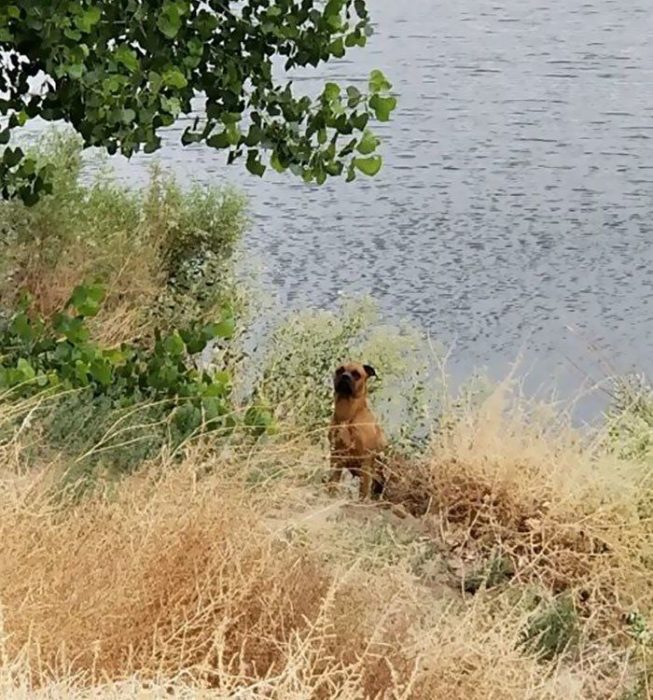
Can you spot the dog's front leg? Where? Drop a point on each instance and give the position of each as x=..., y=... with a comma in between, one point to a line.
x=336, y=472
x=365, y=486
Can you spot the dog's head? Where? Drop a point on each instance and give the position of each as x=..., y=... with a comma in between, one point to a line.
x=351, y=378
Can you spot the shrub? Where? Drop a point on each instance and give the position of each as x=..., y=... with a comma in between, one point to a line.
x=504, y=482
x=163, y=254
x=630, y=418
x=304, y=350
x=58, y=355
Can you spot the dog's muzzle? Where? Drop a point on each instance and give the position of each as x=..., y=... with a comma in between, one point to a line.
x=344, y=384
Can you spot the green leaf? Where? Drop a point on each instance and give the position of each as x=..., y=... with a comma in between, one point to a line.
x=220, y=140
x=383, y=107
x=225, y=329
x=230, y=117
x=233, y=134
x=88, y=19
x=368, y=143
x=21, y=326
x=194, y=340
x=337, y=48
x=173, y=77
x=276, y=163
x=359, y=121
x=361, y=10
x=81, y=372
x=369, y=166
x=101, y=372
x=155, y=81
x=171, y=105
x=353, y=96
x=128, y=57
x=174, y=345
x=87, y=299
x=169, y=22
x=26, y=369
x=73, y=34
x=76, y=70
x=378, y=82
x=331, y=92
x=114, y=356
x=254, y=164
x=12, y=156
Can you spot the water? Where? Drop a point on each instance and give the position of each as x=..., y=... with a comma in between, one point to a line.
x=516, y=201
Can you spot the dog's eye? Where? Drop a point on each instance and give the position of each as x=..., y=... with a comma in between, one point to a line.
x=356, y=374
x=340, y=370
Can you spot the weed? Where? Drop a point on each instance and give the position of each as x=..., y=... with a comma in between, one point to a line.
x=630, y=418
x=554, y=629
x=496, y=571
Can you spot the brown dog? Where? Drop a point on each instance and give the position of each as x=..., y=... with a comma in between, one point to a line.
x=355, y=437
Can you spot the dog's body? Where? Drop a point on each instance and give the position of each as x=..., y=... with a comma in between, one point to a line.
x=355, y=437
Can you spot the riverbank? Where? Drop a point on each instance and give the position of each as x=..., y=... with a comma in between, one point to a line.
x=165, y=528
x=519, y=565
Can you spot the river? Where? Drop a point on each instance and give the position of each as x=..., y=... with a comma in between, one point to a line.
x=514, y=213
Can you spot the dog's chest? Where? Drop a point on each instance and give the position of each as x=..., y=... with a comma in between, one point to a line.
x=343, y=437
x=354, y=439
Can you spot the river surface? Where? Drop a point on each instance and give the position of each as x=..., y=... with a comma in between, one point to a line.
x=514, y=213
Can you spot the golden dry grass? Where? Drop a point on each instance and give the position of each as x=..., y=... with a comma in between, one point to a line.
x=568, y=515
x=186, y=579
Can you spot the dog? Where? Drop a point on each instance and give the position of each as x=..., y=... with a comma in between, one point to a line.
x=355, y=437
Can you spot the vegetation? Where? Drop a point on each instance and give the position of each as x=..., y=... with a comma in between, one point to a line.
x=120, y=71
x=161, y=291
x=151, y=550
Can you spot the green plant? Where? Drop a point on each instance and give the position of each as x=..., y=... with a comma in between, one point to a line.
x=494, y=572
x=409, y=394
x=120, y=71
x=630, y=418
x=553, y=629
x=59, y=355
x=198, y=232
x=302, y=354
x=164, y=255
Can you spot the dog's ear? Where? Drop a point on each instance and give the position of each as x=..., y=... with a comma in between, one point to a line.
x=369, y=370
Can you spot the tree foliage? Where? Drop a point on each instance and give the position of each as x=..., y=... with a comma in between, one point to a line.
x=119, y=71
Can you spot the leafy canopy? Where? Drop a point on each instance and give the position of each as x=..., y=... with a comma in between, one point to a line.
x=120, y=70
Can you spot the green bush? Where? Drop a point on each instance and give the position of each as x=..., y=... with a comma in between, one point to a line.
x=72, y=214
x=164, y=252
x=198, y=230
x=58, y=355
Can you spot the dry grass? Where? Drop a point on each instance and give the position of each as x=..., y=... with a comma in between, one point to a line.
x=173, y=572
x=501, y=481
x=181, y=580
x=131, y=273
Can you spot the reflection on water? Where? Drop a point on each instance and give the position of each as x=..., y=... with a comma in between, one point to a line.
x=517, y=196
